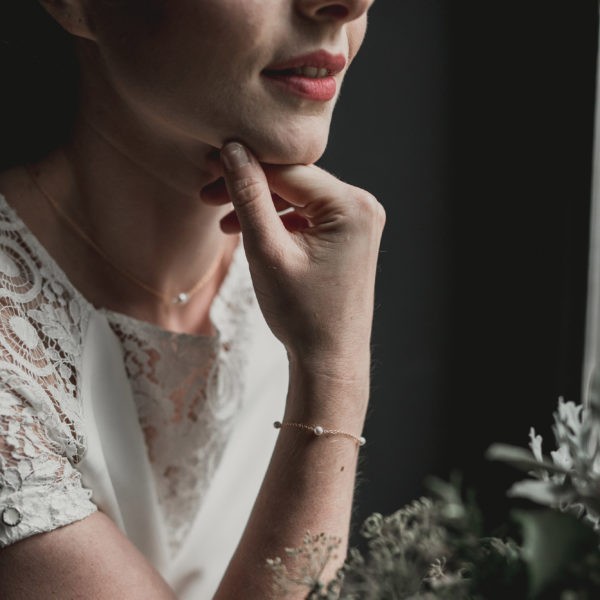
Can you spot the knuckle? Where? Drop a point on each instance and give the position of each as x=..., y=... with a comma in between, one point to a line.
x=246, y=189
x=381, y=215
x=368, y=207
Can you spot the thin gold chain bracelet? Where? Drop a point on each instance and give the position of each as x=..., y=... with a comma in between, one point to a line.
x=319, y=430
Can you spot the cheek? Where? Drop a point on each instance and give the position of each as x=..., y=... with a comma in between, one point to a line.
x=356, y=35
x=171, y=46
x=194, y=68
x=166, y=55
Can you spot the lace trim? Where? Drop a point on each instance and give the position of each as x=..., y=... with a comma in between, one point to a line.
x=40, y=416
x=188, y=390
x=39, y=488
x=42, y=509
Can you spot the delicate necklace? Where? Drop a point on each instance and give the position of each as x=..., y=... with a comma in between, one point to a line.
x=179, y=299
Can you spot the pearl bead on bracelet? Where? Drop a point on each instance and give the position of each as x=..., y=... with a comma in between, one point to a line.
x=319, y=430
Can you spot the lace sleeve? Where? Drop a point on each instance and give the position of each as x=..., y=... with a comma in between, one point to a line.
x=40, y=490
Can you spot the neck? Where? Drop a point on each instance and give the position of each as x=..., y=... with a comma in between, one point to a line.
x=137, y=193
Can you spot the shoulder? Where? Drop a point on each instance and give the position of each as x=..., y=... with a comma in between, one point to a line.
x=15, y=186
x=42, y=327
x=40, y=424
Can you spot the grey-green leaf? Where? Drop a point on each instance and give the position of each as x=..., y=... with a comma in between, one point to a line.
x=551, y=542
x=521, y=459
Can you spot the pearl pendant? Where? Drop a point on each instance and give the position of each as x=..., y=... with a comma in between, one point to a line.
x=181, y=298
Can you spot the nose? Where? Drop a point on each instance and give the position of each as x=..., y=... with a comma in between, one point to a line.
x=342, y=11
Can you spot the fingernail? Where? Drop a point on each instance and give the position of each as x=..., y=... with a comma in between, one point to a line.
x=234, y=156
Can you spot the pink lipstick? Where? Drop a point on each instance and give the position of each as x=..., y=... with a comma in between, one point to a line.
x=310, y=76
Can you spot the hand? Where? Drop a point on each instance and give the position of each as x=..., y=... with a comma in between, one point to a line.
x=313, y=269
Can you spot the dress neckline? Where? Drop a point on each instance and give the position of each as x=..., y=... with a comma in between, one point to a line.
x=220, y=300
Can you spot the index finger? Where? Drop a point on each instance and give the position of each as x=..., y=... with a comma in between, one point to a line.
x=300, y=185
x=249, y=192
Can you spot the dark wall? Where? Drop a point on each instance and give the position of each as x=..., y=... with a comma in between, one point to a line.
x=472, y=122
x=522, y=130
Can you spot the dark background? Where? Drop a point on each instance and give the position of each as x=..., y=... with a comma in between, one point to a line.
x=472, y=122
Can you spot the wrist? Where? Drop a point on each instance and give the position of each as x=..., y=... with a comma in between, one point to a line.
x=336, y=365
x=324, y=393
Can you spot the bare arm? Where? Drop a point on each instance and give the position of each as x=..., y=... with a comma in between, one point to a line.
x=89, y=559
x=315, y=288
x=308, y=487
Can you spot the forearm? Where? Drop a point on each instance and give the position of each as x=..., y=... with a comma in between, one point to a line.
x=309, y=483
x=314, y=282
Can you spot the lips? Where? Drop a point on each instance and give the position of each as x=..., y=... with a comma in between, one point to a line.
x=322, y=59
x=310, y=76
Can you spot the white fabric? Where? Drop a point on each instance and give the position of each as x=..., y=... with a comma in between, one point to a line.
x=592, y=341
x=168, y=434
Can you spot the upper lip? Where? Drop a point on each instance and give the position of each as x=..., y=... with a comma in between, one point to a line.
x=321, y=59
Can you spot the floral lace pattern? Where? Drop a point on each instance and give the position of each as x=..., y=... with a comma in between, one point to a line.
x=41, y=327
x=187, y=391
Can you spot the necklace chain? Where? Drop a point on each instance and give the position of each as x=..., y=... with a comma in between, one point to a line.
x=180, y=299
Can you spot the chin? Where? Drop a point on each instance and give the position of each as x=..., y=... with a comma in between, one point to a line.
x=290, y=156
x=291, y=147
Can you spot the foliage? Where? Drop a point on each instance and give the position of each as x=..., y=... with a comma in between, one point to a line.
x=436, y=549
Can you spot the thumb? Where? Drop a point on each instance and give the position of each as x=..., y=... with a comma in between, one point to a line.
x=250, y=195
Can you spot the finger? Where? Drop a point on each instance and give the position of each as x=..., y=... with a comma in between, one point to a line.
x=230, y=223
x=321, y=198
x=216, y=194
x=302, y=184
x=292, y=221
x=251, y=197
x=280, y=204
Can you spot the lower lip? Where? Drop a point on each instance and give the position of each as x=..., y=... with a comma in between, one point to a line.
x=320, y=89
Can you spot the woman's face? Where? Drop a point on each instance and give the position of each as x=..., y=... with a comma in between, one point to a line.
x=215, y=70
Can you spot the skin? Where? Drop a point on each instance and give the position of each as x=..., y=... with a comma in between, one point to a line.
x=213, y=101
x=150, y=160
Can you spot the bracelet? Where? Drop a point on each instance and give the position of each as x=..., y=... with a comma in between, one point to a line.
x=319, y=430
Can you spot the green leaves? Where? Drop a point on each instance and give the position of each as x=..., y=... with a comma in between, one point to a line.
x=553, y=543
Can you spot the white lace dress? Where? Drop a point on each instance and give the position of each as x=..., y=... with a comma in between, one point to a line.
x=168, y=434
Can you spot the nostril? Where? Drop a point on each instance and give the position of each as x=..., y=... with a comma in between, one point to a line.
x=335, y=11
